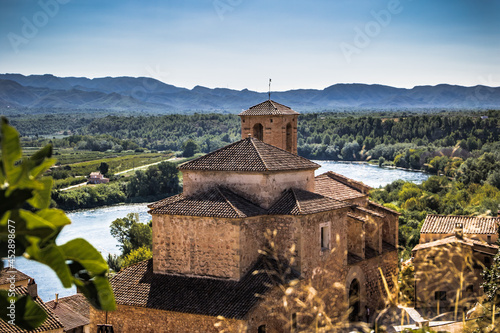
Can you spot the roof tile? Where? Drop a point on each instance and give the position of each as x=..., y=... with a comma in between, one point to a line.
x=250, y=155
x=443, y=224
x=301, y=202
x=73, y=311
x=216, y=202
x=137, y=285
x=329, y=185
x=268, y=107
x=51, y=323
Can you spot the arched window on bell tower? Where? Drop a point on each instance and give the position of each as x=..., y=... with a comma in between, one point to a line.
x=258, y=131
x=289, y=138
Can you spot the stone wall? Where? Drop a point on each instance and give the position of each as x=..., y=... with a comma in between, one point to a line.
x=262, y=188
x=196, y=245
x=390, y=224
x=448, y=268
x=426, y=238
x=356, y=237
x=309, y=241
x=126, y=319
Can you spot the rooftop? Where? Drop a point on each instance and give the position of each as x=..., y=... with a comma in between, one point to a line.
x=336, y=186
x=137, y=285
x=6, y=273
x=249, y=155
x=268, y=107
x=73, y=311
x=216, y=202
x=50, y=324
x=445, y=224
x=454, y=239
x=302, y=202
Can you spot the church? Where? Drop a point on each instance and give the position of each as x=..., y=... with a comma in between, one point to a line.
x=208, y=240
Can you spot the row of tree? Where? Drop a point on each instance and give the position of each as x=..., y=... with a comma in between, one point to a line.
x=158, y=181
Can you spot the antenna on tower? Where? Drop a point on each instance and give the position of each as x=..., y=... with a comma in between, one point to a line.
x=269, y=89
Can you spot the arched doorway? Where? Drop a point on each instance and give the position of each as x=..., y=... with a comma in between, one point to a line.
x=354, y=301
x=289, y=141
x=258, y=131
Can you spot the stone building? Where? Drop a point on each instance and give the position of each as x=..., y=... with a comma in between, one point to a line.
x=73, y=312
x=97, y=178
x=207, y=240
x=452, y=253
x=21, y=284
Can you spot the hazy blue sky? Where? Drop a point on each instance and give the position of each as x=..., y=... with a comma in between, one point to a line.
x=242, y=43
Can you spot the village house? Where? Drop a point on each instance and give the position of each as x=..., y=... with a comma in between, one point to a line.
x=207, y=240
x=452, y=253
x=73, y=312
x=97, y=178
x=23, y=285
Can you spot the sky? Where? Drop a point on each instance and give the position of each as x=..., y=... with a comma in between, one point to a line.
x=241, y=44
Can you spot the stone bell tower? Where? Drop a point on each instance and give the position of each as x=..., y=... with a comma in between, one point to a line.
x=273, y=123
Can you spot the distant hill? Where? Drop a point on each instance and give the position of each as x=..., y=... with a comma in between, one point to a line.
x=152, y=96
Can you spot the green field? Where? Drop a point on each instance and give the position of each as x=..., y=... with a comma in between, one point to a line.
x=116, y=163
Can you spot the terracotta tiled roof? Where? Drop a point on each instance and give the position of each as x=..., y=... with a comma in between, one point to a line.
x=442, y=224
x=250, y=155
x=73, y=311
x=137, y=285
x=268, y=107
x=6, y=273
x=216, y=202
x=300, y=202
x=454, y=239
x=329, y=185
x=51, y=323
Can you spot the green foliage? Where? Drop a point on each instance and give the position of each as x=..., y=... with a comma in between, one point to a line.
x=189, y=148
x=491, y=284
x=158, y=181
x=131, y=234
x=104, y=168
x=407, y=284
x=161, y=179
x=137, y=255
x=25, y=213
x=114, y=262
x=437, y=195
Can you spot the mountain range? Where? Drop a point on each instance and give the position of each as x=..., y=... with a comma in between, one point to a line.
x=142, y=94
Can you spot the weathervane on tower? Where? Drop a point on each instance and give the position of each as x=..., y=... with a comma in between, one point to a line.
x=269, y=89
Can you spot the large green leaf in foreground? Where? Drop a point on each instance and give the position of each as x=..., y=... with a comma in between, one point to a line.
x=28, y=226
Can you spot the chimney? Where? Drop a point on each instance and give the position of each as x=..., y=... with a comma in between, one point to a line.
x=57, y=298
x=32, y=288
x=459, y=230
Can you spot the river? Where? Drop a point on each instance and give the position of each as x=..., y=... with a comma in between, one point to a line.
x=93, y=224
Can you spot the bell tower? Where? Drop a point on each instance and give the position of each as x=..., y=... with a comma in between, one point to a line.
x=272, y=123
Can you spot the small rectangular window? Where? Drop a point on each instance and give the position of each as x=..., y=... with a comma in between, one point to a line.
x=487, y=261
x=294, y=322
x=431, y=260
x=489, y=239
x=325, y=237
x=440, y=295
